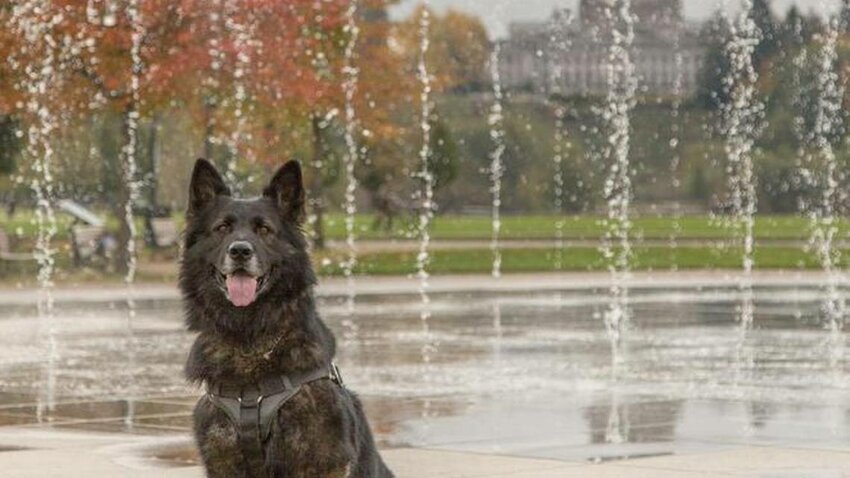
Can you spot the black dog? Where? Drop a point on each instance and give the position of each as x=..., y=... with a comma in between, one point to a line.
x=275, y=405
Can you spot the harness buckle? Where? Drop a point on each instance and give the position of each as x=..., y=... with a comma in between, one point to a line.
x=336, y=376
x=250, y=398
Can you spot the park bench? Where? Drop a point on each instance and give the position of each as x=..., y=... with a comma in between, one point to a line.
x=85, y=241
x=164, y=232
x=6, y=254
x=89, y=239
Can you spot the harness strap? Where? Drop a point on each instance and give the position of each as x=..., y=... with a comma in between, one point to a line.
x=252, y=409
x=250, y=440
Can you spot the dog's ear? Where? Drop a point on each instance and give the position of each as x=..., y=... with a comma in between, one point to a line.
x=206, y=185
x=287, y=190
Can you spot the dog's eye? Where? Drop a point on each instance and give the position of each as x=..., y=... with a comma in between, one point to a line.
x=223, y=228
x=263, y=230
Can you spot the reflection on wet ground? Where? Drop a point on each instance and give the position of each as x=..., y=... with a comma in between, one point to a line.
x=527, y=374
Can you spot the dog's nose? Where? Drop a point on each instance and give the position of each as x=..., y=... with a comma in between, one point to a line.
x=240, y=250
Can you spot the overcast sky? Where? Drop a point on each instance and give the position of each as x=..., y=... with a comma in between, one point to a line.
x=498, y=13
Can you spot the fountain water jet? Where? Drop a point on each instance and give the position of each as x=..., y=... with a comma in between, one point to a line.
x=560, y=44
x=676, y=137
x=132, y=184
x=132, y=128
x=620, y=100
x=426, y=194
x=211, y=81
x=497, y=134
x=824, y=175
x=241, y=37
x=35, y=22
x=562, y=145
x=820, y=172
x=352, y=154
x=742, y=115
x=618, y=426
x=801, y=102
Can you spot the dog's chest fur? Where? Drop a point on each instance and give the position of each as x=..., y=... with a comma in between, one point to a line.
x=220, y=358
x=311, y=424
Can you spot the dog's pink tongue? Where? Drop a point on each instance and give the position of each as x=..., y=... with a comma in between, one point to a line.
x=241, y=289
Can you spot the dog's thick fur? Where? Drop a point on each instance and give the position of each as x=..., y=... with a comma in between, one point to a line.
x=322, y=431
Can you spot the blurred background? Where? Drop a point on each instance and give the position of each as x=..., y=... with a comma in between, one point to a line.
x=571, y=233
x=101, y=109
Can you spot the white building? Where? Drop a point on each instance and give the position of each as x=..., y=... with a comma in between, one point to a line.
x=569, y=55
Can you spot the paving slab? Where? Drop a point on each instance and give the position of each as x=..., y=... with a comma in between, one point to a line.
x=334, y=286
x=32, y=453
x=521, y=384
x=757, y=462
x=431, y=463
x=46, y=453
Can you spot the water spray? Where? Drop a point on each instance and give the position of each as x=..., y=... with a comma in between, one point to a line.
x=426, y=176
x=616, y=244
x=497, y=134
x=350, y=84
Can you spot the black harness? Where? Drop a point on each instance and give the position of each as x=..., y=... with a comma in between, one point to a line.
x=253, y=408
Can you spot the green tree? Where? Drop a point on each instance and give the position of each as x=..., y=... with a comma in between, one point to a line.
x=444, y=154
x=10, y=148
x=791, y=34
x=699, y=188
x=10, y=145
x=710, y=89
x=459, y=51
x=768, y=45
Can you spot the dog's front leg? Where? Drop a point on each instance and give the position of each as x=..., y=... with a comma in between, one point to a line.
x=218, y=443
x=294, y=457
x=341, y=473
x=314, y=472
x=220, y=453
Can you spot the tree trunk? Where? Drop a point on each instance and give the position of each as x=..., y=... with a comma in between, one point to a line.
x=122, y=255
x=209, y=127
x=154, y=164
x=314, y=190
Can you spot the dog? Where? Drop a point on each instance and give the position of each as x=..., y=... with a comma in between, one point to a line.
x=275, y=404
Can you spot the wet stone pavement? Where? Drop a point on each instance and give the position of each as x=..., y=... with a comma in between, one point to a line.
x=522, y=374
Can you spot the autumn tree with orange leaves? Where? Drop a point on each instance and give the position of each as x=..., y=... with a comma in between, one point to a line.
x=298, y=79
x=286, y=63
x=457, y=60
x=94, y=65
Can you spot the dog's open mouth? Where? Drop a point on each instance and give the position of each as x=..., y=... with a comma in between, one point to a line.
x=242, y=288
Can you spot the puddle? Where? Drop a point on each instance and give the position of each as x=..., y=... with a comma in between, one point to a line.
x=174, y=456
x=528, y=374
x=5, y=448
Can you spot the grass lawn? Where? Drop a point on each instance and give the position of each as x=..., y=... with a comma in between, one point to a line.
x=474, y=259
x=469, y=261
x=465, y=261
x=580, y=227
x=513, y=227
